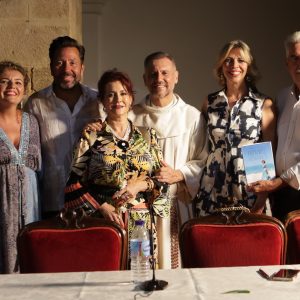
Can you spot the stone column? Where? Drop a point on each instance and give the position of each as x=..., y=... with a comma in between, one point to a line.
x=27, y=27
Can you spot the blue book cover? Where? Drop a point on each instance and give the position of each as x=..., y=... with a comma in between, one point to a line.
x=258, y=162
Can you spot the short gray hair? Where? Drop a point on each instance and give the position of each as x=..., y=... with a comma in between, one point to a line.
x=158, y=55
x=291, y=39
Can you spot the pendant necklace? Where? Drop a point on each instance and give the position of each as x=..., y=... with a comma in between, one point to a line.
x=122, y=141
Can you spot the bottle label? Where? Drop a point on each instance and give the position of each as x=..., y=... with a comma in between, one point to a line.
x=140, y=247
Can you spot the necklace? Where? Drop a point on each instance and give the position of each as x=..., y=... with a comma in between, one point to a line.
x=122, y=142
x=126, y=133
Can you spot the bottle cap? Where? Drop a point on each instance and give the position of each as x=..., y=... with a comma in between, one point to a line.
x=139, y=222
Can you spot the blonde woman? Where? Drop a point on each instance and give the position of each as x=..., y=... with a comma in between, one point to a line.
x=237, y=115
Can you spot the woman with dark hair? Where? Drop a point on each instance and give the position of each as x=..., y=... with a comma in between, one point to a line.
x=112, y=169
x=237, y=115
x=20, y=160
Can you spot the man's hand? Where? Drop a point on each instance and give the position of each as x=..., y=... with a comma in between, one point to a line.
x=260, y=203
x=94, y=126
x=262, y=186
x=168, y=175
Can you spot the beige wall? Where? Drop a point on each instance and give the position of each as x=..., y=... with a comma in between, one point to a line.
x=27, y=28
x=193, y=31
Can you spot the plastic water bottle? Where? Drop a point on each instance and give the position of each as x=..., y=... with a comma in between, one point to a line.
x=140, y=253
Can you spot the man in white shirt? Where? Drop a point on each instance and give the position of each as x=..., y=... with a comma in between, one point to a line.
x=287, y=185
x=62, y=110
x=182, y=136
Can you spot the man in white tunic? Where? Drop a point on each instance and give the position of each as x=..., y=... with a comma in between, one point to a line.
x=181, y=134
x=287, y=184
x=62, y=110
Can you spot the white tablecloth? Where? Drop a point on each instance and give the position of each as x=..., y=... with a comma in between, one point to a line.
x=198, y=284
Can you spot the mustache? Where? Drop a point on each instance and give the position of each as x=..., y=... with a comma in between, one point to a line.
x=67, y=74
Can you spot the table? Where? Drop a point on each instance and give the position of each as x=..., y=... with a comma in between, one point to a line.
x=198, y=284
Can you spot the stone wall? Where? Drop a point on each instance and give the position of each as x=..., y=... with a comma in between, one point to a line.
x=27, y=28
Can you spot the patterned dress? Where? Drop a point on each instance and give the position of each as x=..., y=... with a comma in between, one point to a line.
x=101, y=166
x=223, y=181
x=19, y=203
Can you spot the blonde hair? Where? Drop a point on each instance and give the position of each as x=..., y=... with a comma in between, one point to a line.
x=252, y=71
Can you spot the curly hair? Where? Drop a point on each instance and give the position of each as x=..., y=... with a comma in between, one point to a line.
x=10, y=65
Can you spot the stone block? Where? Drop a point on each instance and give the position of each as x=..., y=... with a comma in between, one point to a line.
x=16, y=9
x=29, y=44
x=27, y=27
x=45, y=9
x=40, y=78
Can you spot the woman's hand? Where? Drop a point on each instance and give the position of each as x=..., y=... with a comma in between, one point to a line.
x=109, y=213
x=129, y=192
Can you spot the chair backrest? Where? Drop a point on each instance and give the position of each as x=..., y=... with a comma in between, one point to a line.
x=72, y=244
x=292, y=224
x=232, y=238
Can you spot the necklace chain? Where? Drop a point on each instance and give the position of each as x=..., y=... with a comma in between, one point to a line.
x=126, y=133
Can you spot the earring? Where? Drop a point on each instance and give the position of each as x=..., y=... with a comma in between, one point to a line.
x=248, y=78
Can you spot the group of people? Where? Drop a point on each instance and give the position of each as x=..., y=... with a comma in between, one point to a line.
x=74, y=147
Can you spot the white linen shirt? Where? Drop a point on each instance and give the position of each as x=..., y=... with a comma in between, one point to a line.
x=60, y=130
x=288, y=131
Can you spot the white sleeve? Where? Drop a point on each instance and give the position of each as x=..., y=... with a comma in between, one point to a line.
x=198, y=152
x=292, y=176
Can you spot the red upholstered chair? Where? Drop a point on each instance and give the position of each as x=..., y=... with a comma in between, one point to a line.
x=232, y=238
x=72, y=242
x=293, y=232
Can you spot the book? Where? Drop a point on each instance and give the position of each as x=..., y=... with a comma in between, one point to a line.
x=258, y=162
